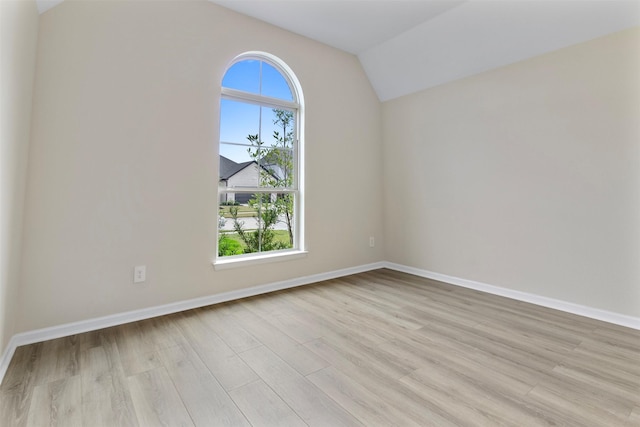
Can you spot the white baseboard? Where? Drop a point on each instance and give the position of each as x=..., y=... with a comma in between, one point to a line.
x=581, y=310
x=147, y=313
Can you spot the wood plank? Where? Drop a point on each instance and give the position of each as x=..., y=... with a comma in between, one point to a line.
x=20, y=375
x=225, y=365
x=313, y=406
x=295, y=354
x=156, y=400
x=360, y=376
x=57, y=403
x=592, y=377
x=359, y=316
x=18, y=384
x=488, y=405
x=105, y=392
x=369, y=407
x=14, y=410
x=220, y=320
x=337, y=319
x=608, y=354
x=205, y=399
x=365, y=310
x=263, y=407
x=575, y=406
x=285, y=317
x=59, y=359
x=137, y=350
x=619, y=337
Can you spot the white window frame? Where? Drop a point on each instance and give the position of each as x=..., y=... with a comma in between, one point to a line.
x=298, y=250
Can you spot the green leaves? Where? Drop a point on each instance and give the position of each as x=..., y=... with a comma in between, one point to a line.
x=263, y=239
x=276, y=167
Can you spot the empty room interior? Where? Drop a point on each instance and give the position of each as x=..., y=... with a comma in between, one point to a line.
x=322, y=213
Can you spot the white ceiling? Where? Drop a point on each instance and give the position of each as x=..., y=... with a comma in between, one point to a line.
x=409, y=45
x=352, y=25
x=481, y=35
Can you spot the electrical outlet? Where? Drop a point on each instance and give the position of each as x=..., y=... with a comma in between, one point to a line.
x=372, y=242
x=139, y=273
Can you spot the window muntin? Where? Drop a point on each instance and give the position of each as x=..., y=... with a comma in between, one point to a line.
x=259, y=159
x=250, y=75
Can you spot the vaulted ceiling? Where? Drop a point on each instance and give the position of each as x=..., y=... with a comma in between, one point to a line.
x=409, y=45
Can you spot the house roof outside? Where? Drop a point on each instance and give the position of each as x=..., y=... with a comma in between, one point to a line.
x=228, y=167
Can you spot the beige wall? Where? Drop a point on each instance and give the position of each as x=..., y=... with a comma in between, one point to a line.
x=123, y=166
x=525, y=177
x=18, y=36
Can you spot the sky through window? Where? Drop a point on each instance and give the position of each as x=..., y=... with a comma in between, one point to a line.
x=240, y=119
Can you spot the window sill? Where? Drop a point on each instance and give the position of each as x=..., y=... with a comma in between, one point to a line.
x=243, y=261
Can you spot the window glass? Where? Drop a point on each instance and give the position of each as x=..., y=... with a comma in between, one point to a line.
x=259, y=168
x=238, y=120
x=274, y=84
x=243, y=75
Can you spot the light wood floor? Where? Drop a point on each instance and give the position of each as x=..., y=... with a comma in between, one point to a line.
x=375, y=349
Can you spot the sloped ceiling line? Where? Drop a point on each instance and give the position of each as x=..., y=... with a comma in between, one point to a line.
x=406, y=46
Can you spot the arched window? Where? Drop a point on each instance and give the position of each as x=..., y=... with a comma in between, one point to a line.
x=260, y=180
